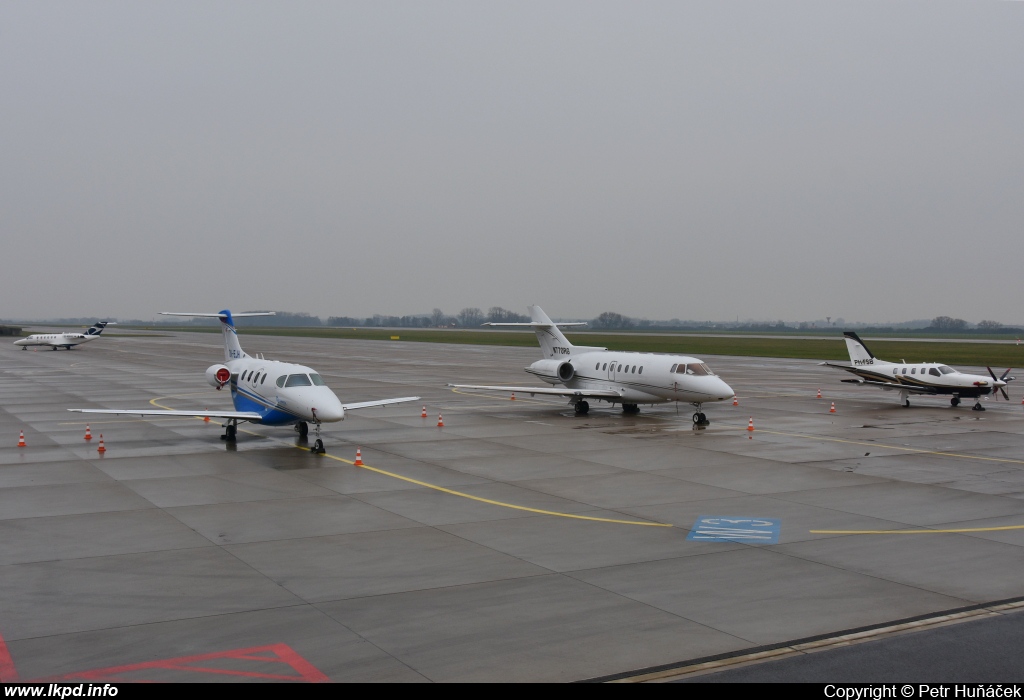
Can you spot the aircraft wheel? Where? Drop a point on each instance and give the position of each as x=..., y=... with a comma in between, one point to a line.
x=578, y=408
x=978, y=407
x=318, y=447
x=955, y=401
x=302, y=429
x=54, y=347
x=697, y=418
x=230, y=433
x=906, y=403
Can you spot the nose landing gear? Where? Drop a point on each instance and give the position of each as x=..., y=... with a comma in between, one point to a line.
x=699, y=419
x=318, y=444
x=978, y=406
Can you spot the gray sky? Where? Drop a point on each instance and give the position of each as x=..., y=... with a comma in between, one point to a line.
x=660, y=159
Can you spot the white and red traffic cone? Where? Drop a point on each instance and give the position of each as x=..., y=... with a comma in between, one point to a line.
x=424, y=413
x=833, y=409
x=750, y=425
x=440, y=421
x=101, y=449
x=359, y=457
x=21, y=439
x=735, y=400
x=513, y=397
x=819, y=393
x=88, y=433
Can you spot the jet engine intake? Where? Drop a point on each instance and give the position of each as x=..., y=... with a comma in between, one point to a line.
x=553, y=371
x=218, y=375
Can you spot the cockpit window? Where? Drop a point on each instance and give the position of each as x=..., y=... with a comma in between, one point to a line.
x=317, y=380
x=934, y=372
x=297, y=380
x=280, y=380
x=697, y=368
x=946, y=370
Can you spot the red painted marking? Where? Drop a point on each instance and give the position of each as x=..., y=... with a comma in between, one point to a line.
x=281, y=654
x=8, y=673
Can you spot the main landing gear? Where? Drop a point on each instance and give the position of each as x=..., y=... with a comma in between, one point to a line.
x=699, y=419
x=582, y=408
x=978, y=406
x=955, y=401
x=230, y=430
x=630, y=409
x=302, y=429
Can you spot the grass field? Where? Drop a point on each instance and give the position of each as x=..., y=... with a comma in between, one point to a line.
x=949, y=352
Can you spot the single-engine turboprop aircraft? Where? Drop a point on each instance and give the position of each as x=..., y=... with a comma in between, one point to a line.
x=64, y=340
x=927, y=378
x=264, y=391
x=628, y=378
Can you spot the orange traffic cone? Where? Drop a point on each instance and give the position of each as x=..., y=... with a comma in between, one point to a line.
x=21, y=439
x=735, y=400
x=513, y=396
x=833, y=409
x=819, y=393
x=359, y=458
x=88, y=433
x=101, y=449
x=424, y=414
x=750, y=425
x=440, y=421
x=206, y=419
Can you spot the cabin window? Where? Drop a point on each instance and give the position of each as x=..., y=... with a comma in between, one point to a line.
x=317, y=379
x=264, y=380
x=904, y=370
x=634, y=369
x=641, y=370
x=673, y=370
x=913, y=370
x=619, y=369
x=297, y=380
x=605, y=366
x=280, y=380
x=934, y=372
x=598, y=366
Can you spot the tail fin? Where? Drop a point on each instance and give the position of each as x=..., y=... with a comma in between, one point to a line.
x=859, y=353
x=552, y=342
x=98, y=327
x=232, y=349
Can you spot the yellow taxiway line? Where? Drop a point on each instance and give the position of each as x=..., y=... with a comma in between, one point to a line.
x=451, y=492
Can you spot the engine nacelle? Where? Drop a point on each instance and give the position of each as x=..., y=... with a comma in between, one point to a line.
x=218, y=375
x=553, y=371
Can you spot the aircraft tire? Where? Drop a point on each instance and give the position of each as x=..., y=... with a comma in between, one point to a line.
x=318, y=447
x=955, y=401
x=302, y=429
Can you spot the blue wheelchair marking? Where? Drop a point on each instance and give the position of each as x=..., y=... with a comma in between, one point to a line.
x=730, y=528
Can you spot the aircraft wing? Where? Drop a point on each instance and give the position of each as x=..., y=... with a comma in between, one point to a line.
x=891, y=386
x=382, y=402
x=238, y=415
x=531, y=390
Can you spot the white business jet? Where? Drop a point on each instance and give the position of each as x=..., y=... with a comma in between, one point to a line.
x=264, y=391
x=628, y=378
x=64, y=340
x=927, y=378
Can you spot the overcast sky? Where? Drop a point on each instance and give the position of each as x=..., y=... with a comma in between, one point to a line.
x=698, y=160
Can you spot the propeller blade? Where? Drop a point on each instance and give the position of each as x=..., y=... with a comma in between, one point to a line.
x=992, y=374
x=1005, y=395
x=1003, y=378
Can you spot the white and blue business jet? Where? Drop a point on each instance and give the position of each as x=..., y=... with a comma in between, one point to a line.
x=264, y=391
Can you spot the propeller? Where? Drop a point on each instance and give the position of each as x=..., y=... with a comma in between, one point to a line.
x=1000, y=383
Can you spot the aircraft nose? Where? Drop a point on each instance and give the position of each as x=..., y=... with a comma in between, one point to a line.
x=723, y=391
x=328, y=408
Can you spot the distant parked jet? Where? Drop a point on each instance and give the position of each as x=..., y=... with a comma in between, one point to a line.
x=64, y=340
